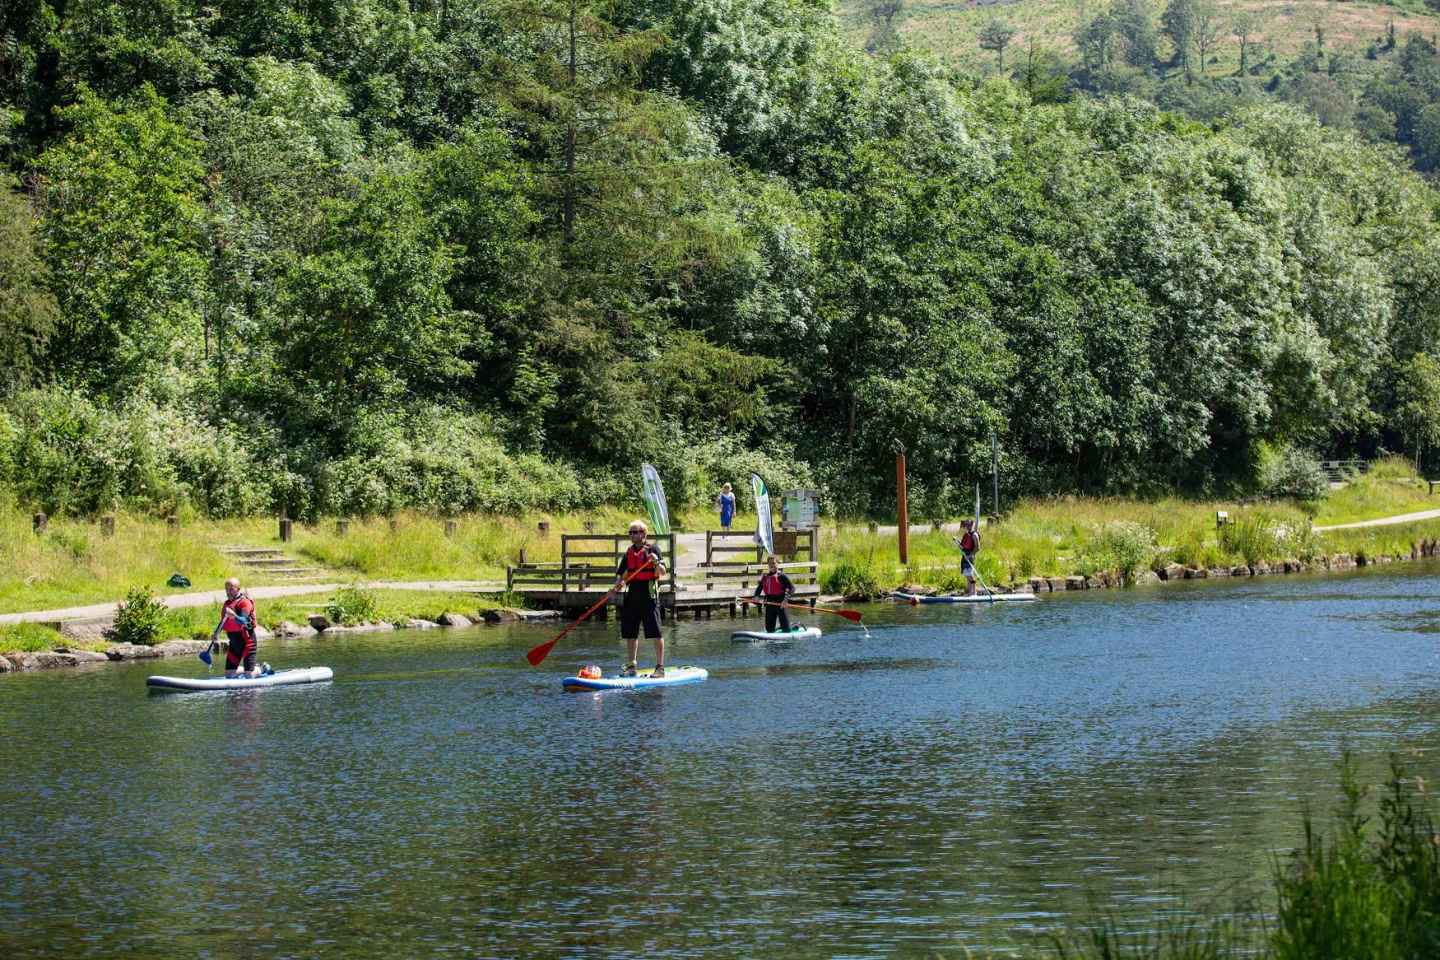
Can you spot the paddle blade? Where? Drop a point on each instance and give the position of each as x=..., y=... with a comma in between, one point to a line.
x=205, y=657
x=852, y=615
x=537, y=655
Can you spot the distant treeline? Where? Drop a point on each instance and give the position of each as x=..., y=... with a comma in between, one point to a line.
x=363, y=255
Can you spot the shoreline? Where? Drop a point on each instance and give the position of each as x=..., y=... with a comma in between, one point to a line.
x=62, y=656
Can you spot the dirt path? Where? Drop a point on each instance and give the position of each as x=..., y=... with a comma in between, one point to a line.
x=1386, y=521
x=258, y=593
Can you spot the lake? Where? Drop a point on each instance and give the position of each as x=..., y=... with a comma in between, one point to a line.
x=960, y=777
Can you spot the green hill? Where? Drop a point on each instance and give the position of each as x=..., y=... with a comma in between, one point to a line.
x=950, y=29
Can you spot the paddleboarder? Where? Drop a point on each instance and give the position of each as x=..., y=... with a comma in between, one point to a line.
x=641, y=604
x=776, y=589
x=237, y=619
x=969, y=546
x=726, y=503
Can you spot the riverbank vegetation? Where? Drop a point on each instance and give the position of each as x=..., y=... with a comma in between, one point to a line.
x=265, y=259
x=1363, y=882
x=72, y=563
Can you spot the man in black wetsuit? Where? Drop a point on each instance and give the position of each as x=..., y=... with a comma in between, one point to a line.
x=641, y=603
x=775, y=587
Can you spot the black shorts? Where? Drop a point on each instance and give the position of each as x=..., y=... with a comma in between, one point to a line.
x=638, y=608
x=241, y=650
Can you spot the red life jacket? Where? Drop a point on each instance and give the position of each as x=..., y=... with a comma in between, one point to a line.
x=970, y=542
x=239, y=614
x=771, y=586
x=635, y=559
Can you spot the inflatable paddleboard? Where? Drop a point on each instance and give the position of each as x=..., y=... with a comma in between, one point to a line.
x=751, y=636
x=978, y=598
x=638, y=682
x=281, y=678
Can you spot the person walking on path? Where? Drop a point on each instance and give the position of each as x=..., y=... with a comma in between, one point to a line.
x=641, y=604
x=969, y=547
x=237, y=619
x=776, y=589
x=726, y=503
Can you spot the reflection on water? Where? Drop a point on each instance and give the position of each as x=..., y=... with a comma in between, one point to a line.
x=965, y=777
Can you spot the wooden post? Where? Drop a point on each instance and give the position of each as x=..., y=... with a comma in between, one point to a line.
x=394, y=524
x=543, y=528
x=901, y=506
x=509, y=578
x=522, y=555
x=874, y=527
x=450, y=527
x=41, y=522
x=589, y=526
x=107, y=526
x=342, y=527
x=173, y=525
x=287, y=530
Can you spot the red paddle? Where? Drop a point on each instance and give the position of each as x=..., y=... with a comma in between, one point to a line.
x=852, y=615
x=538, y=654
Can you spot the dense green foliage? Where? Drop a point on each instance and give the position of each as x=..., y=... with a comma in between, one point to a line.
x=366, y=255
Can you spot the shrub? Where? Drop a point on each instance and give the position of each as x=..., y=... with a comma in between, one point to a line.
x=852, y=575
x=1121, y=545
x=353, y=604
x=1254, y=537
x=139, y=619
x=1295, y=473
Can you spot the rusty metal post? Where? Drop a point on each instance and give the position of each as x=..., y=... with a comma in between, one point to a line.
x=904, y=518
x=287, y=530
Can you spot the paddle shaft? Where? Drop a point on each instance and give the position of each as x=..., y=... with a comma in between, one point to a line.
x=973, y=569
x=537, y=655
x=851, y=615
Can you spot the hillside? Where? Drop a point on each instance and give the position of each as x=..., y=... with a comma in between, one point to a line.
x=950, y=30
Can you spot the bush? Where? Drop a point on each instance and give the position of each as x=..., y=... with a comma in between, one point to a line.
x=852, y=575
x=1253, y=537
x=1295, y=473
x=353, y=604
x=1119, y=545
x=139, y=619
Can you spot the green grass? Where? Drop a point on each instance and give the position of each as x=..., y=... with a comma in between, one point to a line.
x=1389, y=489
x=29, y=637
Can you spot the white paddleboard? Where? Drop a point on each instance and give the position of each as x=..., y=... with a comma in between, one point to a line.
x=638, y=682
x=978, y=598
x=753, y=636
x=281, y=678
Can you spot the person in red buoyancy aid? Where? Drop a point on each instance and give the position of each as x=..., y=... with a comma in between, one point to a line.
x=237, y=619
x=641, y=603
x=776, y=588
x=969, y=546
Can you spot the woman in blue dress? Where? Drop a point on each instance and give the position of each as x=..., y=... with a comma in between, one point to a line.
x=726, y=503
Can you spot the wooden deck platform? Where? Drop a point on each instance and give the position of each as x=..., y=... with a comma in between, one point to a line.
x=586, y=572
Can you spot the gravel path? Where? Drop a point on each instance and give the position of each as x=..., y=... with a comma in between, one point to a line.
x=209, y=597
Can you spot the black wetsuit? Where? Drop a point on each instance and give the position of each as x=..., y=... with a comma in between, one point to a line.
x=775, y=588
x=640, y=606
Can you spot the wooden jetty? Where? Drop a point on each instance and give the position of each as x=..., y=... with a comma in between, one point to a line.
x=732, y=567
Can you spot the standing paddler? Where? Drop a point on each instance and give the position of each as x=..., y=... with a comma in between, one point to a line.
x=237, y=619
x=776, y=589
x=641, y=604
x=969, y=546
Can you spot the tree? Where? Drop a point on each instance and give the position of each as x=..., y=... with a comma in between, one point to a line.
x=27, y=309
x=1179, y=24
x=1245, y=22
x=121, y=213
x=1209, y=26
x=1419, y=402
x=996, y=34
x=882, y=20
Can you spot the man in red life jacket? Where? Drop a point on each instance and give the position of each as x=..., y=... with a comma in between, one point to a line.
x=641, y=603
x=776, y=588
x=237, y=619
x=969, y=546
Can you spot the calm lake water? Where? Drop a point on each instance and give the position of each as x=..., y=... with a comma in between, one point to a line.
x=961, y=777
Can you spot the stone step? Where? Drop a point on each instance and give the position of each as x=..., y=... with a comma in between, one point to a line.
x=248, y=552
x=271, y=562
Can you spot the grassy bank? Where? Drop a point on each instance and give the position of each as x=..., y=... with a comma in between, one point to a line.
x=1085, y=536
x=73, y=564
x=195, y=623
